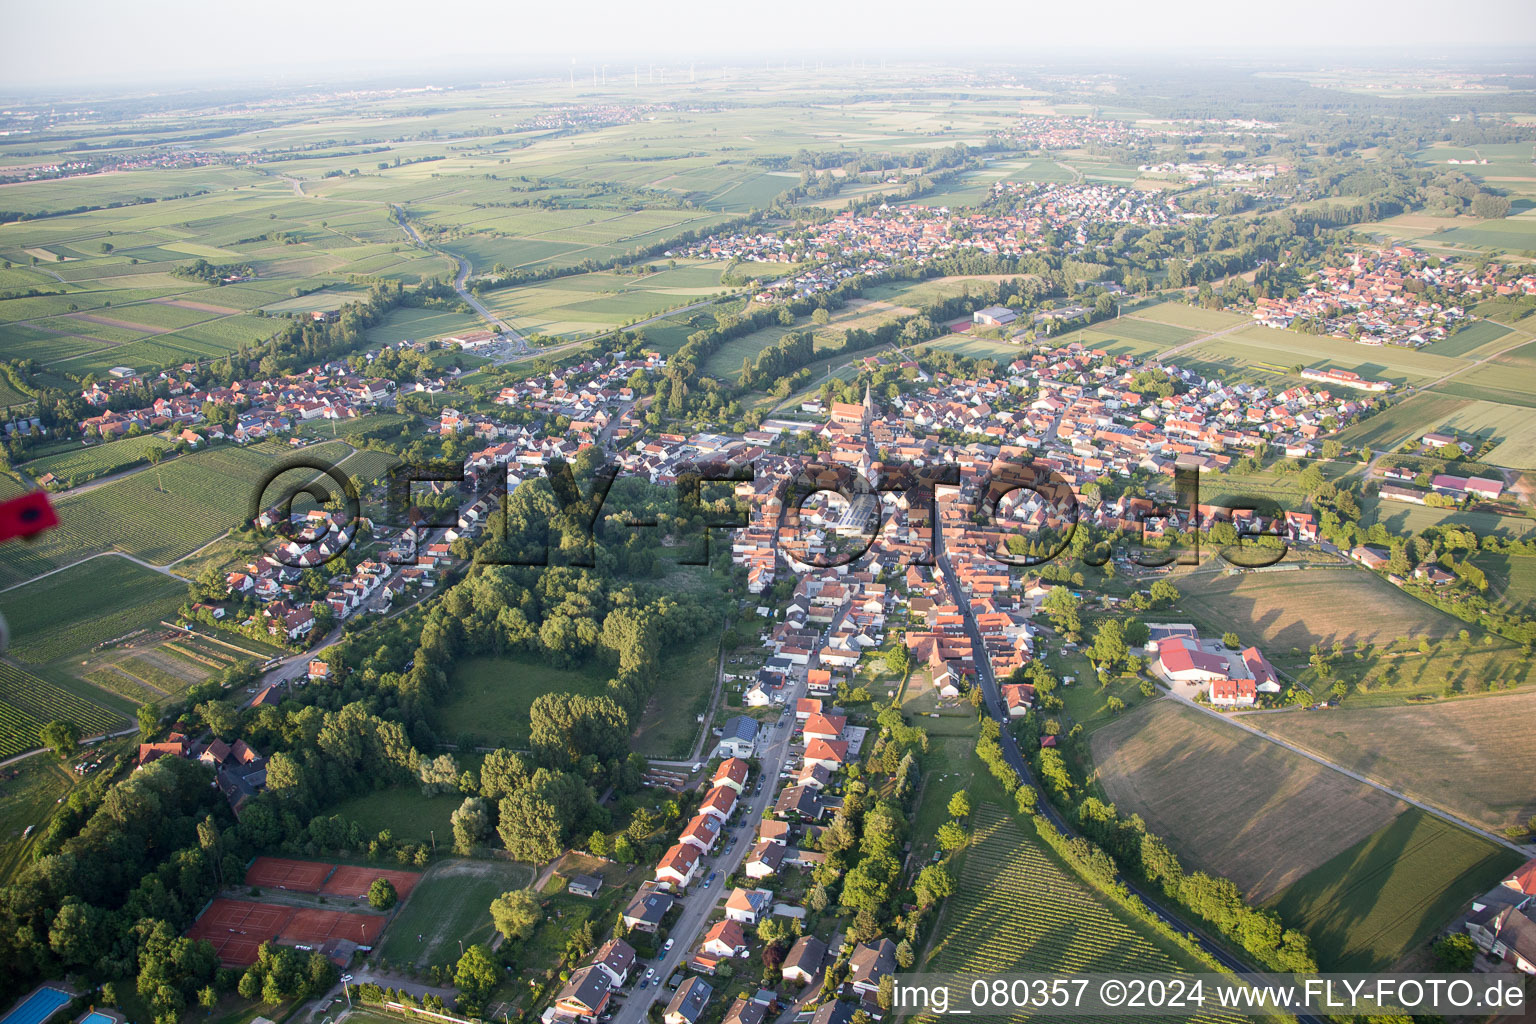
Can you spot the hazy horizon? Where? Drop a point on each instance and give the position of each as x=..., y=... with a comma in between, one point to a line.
x=95, y=43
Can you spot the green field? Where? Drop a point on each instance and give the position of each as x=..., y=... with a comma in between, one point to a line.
x=421, y=324
x=1194, y=318
x=409, y=816
x=158, y=514
x=1469, y=338
x=27, y=703
x=1017, y=908
x=28, y=797
x=85, y=605
x=1509, y=378
x=1511, y=580
x=1277, y=350
x=1404, y=420
x=451, y=903
x=88, y=463
x=492, y=696
x=1402, y=519
x=667, y=728
x=1372, y=904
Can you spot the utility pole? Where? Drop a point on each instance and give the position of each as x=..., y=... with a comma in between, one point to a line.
x=433, y=834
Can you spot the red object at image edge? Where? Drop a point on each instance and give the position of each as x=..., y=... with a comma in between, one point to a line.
x=26, y=516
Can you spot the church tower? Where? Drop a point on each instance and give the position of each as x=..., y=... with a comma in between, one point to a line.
x=869, y=407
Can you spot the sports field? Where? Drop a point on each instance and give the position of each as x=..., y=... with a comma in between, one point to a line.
x=237, y=928
x=1369, y=905
x=1460, y=756
x=1230, y=802
x=452, y=902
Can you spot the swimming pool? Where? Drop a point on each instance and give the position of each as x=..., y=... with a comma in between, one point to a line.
x=37, y=1007
x=97, y=1017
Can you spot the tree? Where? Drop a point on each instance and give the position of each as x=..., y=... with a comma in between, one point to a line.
x=951, y=836
x=148, y=718
x=933, y=884
x=1115, y=705
x=530, y=827
x=471, y=824
x=904, y=955
x=476, y=974
x=1108, y=647
x=59, y=736
x=1456, y=952
x=439, y=775
x=1231, y=640
x=1163, y=593
x=516, y=913
x=959, y=805
x=381, y=894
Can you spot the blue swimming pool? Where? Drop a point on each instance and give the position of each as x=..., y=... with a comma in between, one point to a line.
x=97, y=1017
x=37, y=1007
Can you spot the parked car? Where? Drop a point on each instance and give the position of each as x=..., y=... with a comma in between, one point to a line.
x=666, y=947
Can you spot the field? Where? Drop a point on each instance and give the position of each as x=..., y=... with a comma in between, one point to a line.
x=1373, y=903
x=27, y=703
x=1276, y=351
x=1230, y=802
x=1459, y=756
x=117, y=302
x=420, y=324
x=1470, y=338
x=667, y=727
x=1018, y=909
x=1508, y=378
x=1284, y=613
x=156, y=514
x=1511, y=579
x=492, y=696
x=98, y=460
x=1193, y=318
x=409, y=816
x=451, y=902
x=601, y=301
x=1410, y=418
x=85, y=605
x=29, y=792
x=1402, y=519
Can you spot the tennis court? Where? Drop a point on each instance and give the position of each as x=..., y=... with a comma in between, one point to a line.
x=349, y=880
x=37, y=1007
x=311, y=927
x=237, y=928
x=293, y=875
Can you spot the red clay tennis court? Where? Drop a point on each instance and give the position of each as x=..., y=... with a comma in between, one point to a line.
x=293, y=875
x=349, y=880
x=311, y=927
x=237, y=928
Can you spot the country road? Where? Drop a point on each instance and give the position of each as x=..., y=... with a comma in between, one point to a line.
x=460, y=280
x=1015, y=758
x=164, y=570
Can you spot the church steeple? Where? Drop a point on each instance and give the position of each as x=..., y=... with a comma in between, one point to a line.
x=869, y=407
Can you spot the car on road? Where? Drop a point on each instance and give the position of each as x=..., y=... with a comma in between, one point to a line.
x=645, y=982
x=711, y=879
x=666, y=947
x=650, y=972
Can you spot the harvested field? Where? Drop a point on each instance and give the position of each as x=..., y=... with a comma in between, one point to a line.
x=1461, y=756
x=1286, y=612
x=1230, y=802
x=293, y=875
x=201, y=307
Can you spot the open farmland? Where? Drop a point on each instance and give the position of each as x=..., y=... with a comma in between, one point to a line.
x=85, y=605
x=27, y=703
x=1274, y=817
x=1286, y=612
x=1513, y=428
x=1402, y=421
x=1403, y=519
x=156, y=514
x=1511, y=579
x=1508, y=378
x=115, y=301
x=1278, y=350
x=601, y=301
x=1432, y=752
x=1371, y=904
x=1017, y=908
x=1195, y=318
x=88, y=463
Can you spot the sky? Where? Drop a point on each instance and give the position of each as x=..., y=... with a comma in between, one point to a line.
x=56, y=44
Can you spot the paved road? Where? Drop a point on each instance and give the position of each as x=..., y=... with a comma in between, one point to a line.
x=1015, y=758
x=459, y=281
x=701, y=903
